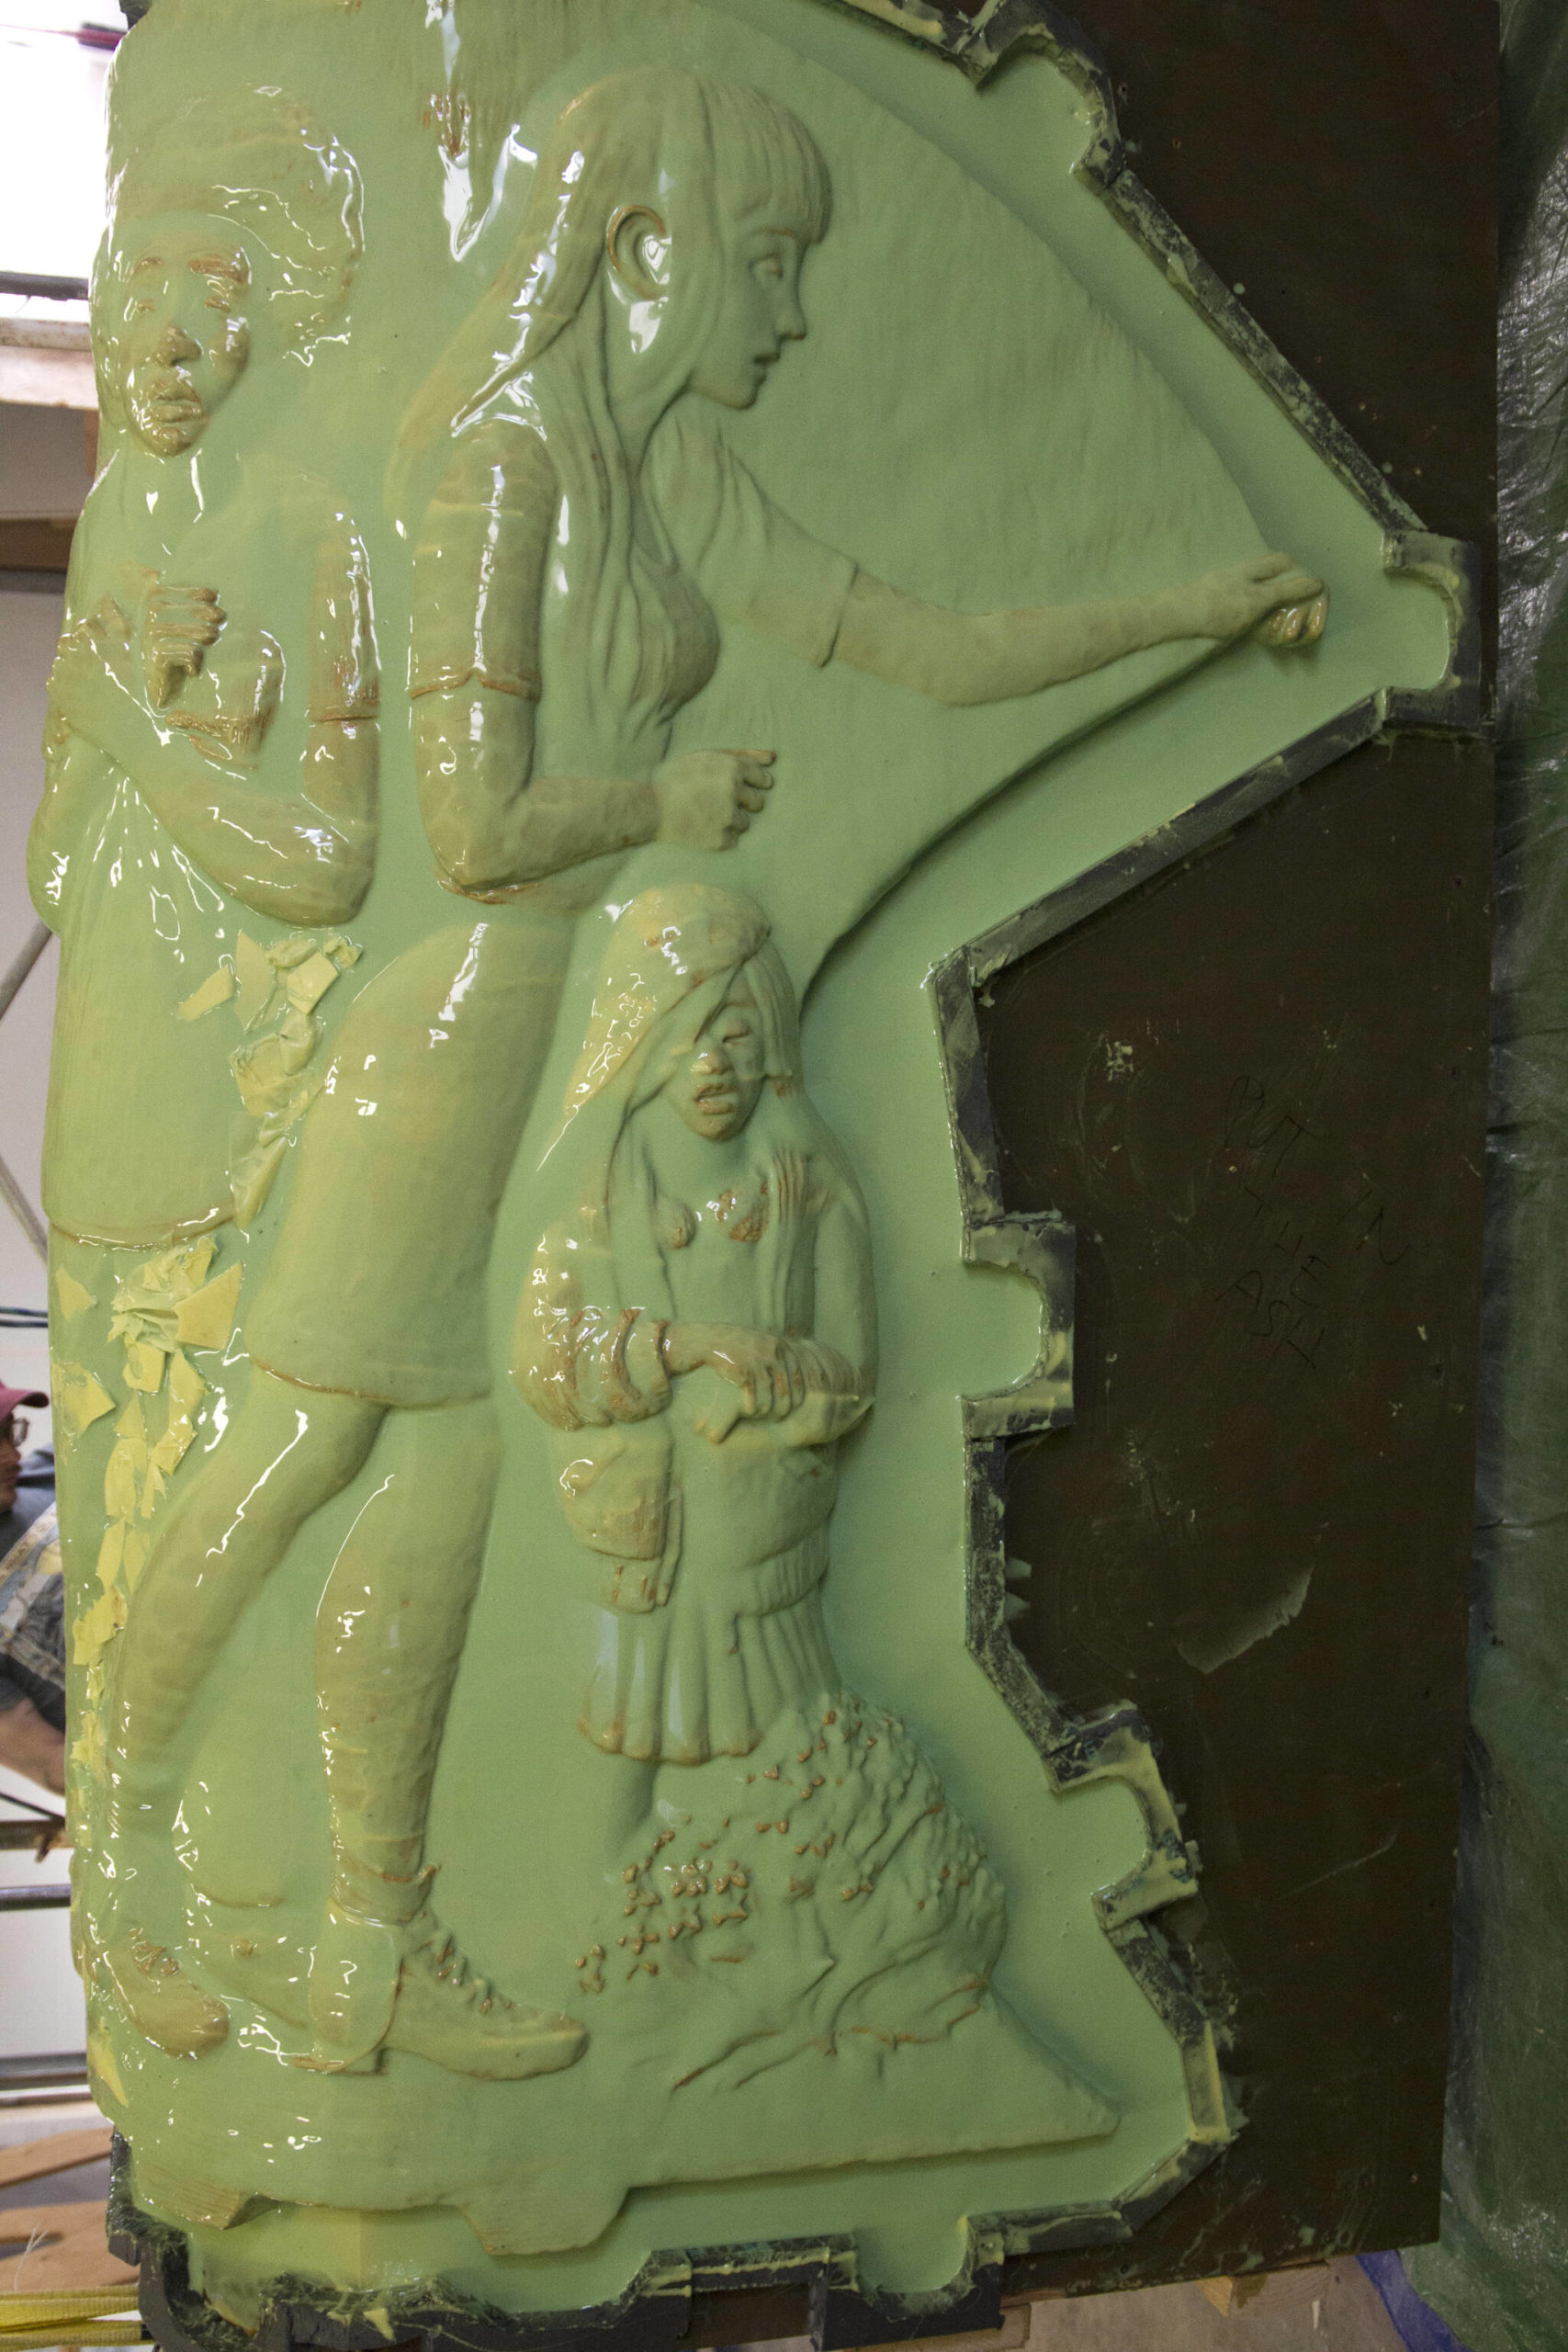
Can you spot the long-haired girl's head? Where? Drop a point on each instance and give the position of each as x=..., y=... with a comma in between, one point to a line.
x=654, y=179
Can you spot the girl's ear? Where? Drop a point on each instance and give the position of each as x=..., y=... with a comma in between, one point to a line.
x=638, y=244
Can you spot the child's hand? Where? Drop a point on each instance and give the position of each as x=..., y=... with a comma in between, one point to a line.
x=764, y=1368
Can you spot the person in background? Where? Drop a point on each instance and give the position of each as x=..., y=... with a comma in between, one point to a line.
x=32, y=1609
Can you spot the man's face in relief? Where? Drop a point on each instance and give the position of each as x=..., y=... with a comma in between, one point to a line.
x=182, y=330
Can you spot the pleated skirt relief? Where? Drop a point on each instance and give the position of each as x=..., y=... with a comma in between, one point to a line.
x=701, y=1677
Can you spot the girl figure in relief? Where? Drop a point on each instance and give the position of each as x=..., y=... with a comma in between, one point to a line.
x=584, y=540
x=699, y=1327
x=698, y=1330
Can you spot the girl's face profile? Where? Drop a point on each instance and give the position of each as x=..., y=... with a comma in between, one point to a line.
x=759, y=311
x=717, y=1090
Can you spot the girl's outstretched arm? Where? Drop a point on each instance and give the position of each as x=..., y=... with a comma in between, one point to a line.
x=967, y=658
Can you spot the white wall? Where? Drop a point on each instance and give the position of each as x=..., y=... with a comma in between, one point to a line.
x=52, y=159
x=51, y=140
x=41, y=2008
x=42, y=471
x=28, y=626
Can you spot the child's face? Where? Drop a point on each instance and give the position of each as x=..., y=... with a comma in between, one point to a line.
x=715, y=1092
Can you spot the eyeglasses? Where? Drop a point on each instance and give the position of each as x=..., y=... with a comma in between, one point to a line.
x=16, y=1429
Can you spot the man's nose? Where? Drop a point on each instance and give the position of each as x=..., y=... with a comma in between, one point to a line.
x=711, y=1061
x=175, y=345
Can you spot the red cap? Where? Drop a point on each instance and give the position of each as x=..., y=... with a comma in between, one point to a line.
x=11, y=1397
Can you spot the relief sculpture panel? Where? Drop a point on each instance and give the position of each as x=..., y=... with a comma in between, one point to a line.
x=595, y=499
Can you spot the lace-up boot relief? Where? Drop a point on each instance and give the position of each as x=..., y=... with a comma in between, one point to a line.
x=386, y=1973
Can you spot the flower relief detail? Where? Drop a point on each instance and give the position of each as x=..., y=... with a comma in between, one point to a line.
x=865, y=1903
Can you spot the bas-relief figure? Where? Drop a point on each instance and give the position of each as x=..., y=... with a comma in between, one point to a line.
x=211, y=748
x=171, y=735
x=698, y=1329
x=543, y=545
x=774, y=1868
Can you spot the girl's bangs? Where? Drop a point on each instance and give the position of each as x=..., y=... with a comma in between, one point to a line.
x=765, y=161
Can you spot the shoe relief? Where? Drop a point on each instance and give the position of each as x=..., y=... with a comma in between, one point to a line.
x=386, y=1973
x=159, y=2000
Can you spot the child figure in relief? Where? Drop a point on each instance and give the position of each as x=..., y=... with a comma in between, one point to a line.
x=699, y=1326
x=698, y=1329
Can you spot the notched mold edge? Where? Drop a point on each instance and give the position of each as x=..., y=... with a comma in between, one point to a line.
x=1116, y=1742
x=653, y=2314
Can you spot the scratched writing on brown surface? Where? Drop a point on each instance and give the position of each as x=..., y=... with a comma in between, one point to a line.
x=1314, y=1215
